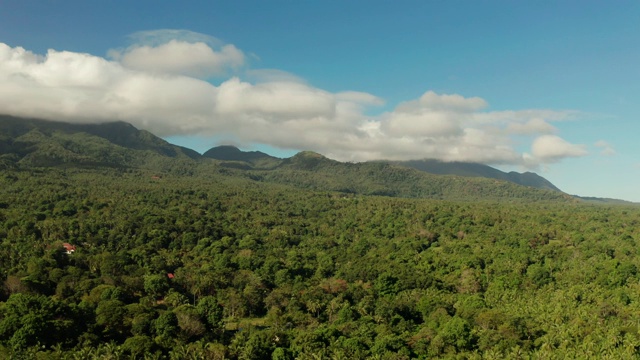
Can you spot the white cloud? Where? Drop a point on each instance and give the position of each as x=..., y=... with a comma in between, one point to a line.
x=606, y=148
x=520, y=118
x=276, y=101
x=162, y=36
x=435, y=102
x=422, y=124
x=551, y=148
x=533, y=126
x=84, y=88
x=176, y=57
x=167, y=97
x=361, y=98
x=179, y=52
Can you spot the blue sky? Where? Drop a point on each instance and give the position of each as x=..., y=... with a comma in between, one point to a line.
x=544, y=86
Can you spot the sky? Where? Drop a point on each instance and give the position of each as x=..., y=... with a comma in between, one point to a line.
x=545, y=86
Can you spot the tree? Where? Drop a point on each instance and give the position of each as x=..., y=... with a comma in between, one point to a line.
x=457, y=332
x=138, y=345
x=166, y=325
x=211, y=311
x=26, y=320
x=110, y=315
x=156, y=285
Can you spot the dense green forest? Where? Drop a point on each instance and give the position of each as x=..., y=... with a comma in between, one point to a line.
x=118, y=245
x=183, y=266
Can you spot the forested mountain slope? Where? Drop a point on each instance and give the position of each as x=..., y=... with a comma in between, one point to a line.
x=33, y=142
x=478, y=170
x=310, y=170
x=114, y=243
x=234, y=157
x=28, y=143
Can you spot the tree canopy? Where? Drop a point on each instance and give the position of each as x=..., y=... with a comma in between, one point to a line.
x=222, y=266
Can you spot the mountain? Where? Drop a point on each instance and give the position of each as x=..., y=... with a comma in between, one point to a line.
x=231, y=155
x=314, y=171
x=28, y=143
x=308, y=160
x=37, y=142
x=478, y=170
x=234, y=157
x=608, y=201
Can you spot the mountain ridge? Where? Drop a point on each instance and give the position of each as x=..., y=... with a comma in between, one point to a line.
x=470, y=169
x=41, y=143
x=231, y=155
x=431, y=166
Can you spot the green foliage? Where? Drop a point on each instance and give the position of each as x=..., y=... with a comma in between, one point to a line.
x=110, y=314
x=28, y=320
x=212, y=313
x=261, y=270
x=156, y=285
x=138, y=345
x=166, y=325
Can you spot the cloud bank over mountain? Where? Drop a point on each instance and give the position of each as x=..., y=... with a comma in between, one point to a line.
x=175, y=82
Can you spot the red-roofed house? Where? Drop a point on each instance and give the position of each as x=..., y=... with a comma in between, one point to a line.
x=69, y=249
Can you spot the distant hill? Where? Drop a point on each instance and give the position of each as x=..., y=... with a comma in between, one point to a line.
x=34, y=142
x=608, y=201
x=27, y=143
x=231, y=155
x=478, y=170
x=306, y=159
x=314, y=171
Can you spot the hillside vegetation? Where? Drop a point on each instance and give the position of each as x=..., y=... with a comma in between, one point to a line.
x=478, y=170
x=222, y=266
x=136, y=249
x=27, y=143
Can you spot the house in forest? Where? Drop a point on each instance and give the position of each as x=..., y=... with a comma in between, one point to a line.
x=69, y=249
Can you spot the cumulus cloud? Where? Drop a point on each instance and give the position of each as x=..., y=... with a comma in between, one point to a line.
x=84, y=88
x=186, y=53
x=155, y=86
x=277, y=101
x=551, y=148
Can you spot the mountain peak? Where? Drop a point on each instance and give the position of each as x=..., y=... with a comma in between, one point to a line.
x=309, y=155
x=47, y=143
x=232, y=153
x=306, y=160
x=223, y=152
x=256, y=159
